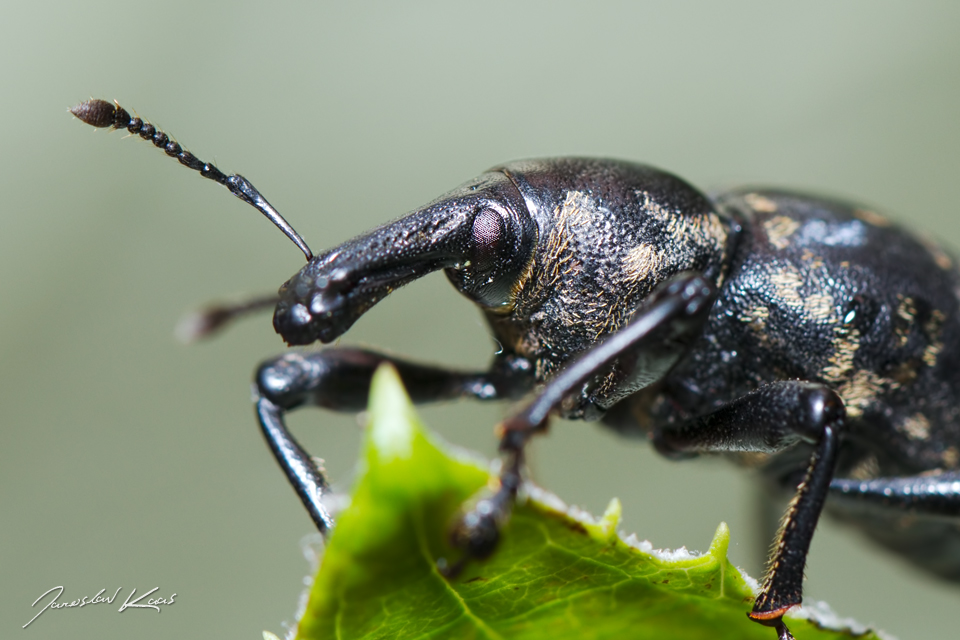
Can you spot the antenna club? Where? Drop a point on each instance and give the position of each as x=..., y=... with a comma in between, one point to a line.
x=101, y=114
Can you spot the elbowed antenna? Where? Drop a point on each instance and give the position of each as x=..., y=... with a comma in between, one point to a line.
x=100, y=113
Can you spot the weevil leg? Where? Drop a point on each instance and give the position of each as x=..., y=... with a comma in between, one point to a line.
x=771, y=419
x=932, y=494
x=339, y=379
x=652, y=340
x=302, y=472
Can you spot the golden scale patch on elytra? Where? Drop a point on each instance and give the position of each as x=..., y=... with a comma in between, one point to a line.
x=757, y=318
x=846, y=342
x=904, y=372
x=931, y=353
x=916, y=427
x=759, y=203
x=858, y=388
x=786, y=282
x=933, y=328
x=871, y=217
x=907, y=314
x=862, y=390
x=814, y=261
x=818, y=307
x=779, y=229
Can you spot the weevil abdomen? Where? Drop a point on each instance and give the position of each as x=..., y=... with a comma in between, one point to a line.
x=823, y=291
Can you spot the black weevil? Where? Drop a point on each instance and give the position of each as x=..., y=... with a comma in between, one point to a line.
x=808, y=338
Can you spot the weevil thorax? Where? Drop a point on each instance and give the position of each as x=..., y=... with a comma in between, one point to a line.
x=609, y=233
x=480, y=233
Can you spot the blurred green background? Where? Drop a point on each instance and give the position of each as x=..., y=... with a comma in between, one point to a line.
x=128, y=460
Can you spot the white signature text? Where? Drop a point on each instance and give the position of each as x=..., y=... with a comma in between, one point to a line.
x=129, y=603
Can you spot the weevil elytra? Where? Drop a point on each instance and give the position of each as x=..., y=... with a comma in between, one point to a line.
x=806, y=337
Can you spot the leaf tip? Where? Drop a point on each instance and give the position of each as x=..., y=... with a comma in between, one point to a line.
x=605, y=529
x=720, y=542
x=392, y=424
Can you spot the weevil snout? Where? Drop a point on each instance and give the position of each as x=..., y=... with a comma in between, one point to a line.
x=481, y=233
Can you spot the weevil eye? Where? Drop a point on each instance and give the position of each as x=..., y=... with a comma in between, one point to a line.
x=497, y=253
x=488, y=238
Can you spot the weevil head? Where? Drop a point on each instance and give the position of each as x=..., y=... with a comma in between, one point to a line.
x=481, y=233
x=557, y=253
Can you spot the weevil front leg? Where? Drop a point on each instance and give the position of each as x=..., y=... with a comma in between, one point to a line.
x=653, y=341
x=771, y=419
x=339, y=379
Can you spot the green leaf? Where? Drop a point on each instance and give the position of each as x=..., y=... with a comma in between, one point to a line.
x=556, y=574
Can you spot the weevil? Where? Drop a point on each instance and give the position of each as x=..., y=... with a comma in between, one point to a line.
x=808, y=338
